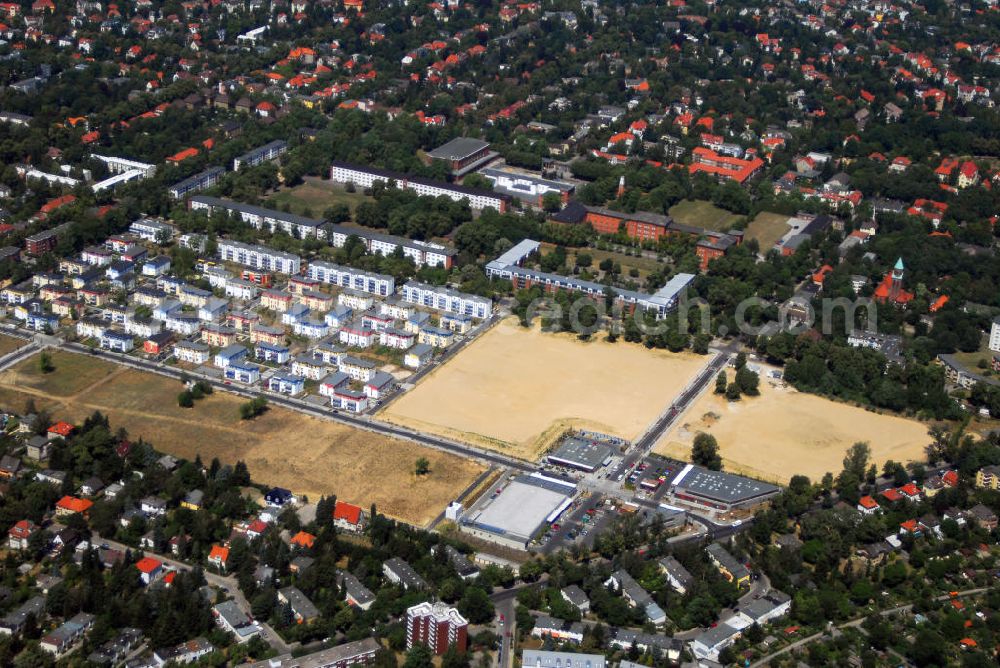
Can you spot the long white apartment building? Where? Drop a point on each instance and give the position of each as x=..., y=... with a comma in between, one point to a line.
x=261, y=218
x=118, y=165
x=421, y=252
x=348, y=277
x=259, y=257
x=445, y=299
x=365, y=177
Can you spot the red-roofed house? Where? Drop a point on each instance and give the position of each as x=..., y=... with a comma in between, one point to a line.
x=910, y=491
x=867, y=505
x=968, y=174
x=891, y=495
x=60, y=429
x=149, y=569
x=303, y=539
x=19, y=534
x=70, y=505
x=348, y=517
x=256, y=529
x=219, y=556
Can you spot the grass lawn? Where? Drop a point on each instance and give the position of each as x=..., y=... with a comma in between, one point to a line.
x=9, y=344
x=645, y=265
x=314, y=197
x=767, y=228
x=703, y=214
x=971, y=360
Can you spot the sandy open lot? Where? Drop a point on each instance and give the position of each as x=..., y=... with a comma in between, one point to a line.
x=305, y=454
x=515, y=390
x=784, y=432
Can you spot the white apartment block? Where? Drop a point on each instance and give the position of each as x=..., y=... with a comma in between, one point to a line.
x=261, y=218
x=421, y=252
x=348, y=277
x=117, y=165
x=259, y=257
x=994, y=344
x=365, y=177
x=150, y=229
x=445, y=299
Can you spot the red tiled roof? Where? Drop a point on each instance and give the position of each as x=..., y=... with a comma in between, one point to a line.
x=303, y=539
x=147, y=565
x=347, y=512
x=74, y=505
x=867, y=502
x=63, y=429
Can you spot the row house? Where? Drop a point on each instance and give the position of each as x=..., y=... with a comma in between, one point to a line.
x=395, y=338
x=314, y=300
x=143, y=327
x=338, y=316
x=192, y=352
x=311, y=329
x=376, y=320
x=308, y=367
x=264, y=334
x=286, y=384
x=272, y=353
x=356, y=335
x=276, y=300
x=218, y=336
x=241, y=372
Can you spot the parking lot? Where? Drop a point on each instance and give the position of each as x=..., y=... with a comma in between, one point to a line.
x=580, y=524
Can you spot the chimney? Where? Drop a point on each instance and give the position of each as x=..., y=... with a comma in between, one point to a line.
x=621, y=186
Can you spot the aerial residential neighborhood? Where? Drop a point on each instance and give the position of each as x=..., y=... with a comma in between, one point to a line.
x=562, y=334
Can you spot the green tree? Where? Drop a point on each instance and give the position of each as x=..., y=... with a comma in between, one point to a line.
x=45, y=364
x=705, y=452
x=720, y=383
x=423, y=467
x=419, y=657
x=748, y=381
x=185, y=399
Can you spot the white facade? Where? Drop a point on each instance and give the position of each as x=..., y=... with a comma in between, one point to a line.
x=446, y=299
x=259, y=257
x=348, y=277
x=365, y=178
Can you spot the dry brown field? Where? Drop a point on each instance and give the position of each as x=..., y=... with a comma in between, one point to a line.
x=305, y=454
x=515, y=390
x=784, y=432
